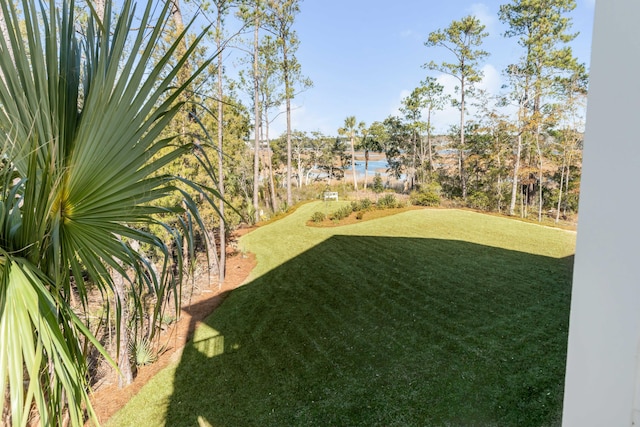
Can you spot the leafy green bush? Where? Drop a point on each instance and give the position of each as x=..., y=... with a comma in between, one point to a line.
x=478, y=200
x=361, y=205
x=366, y=204
x=388, y=201
x=425, y=198
x=378, y=186
x=341, y=213
x=318, y=217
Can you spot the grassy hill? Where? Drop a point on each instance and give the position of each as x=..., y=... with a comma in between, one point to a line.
x=428, y=317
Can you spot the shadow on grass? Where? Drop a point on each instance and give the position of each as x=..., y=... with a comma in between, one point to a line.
x=384, y=331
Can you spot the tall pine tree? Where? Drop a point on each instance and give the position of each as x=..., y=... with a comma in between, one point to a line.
x=463, y=40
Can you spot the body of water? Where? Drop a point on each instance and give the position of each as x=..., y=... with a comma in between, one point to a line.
x=374, y=166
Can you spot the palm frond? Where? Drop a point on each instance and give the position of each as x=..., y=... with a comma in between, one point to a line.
x=80, y=128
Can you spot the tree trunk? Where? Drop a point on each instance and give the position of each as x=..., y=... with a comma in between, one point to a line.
x=287, y=90
x=124, y=364
x=185, y=72
x=460, y=163
x=100, y=11
x=422, y=158
x=187, y=258
x=256, y=101
x=272, y=187
x=151, y=326
x=463, y=180
x=177, y=15
x=299, y=166
x=413, y=159
x=366, y=166
x=353, y=163
x=566, y=183
x=212, y=252
x=516, y=167
x=221, y=175
x=99, y=6
x=431, y=168
x=499, y=190
x=183, y=76
x=561, y=185
x=540, y=175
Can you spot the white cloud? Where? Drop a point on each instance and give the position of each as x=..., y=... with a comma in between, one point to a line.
x=407, y=33
x=491, y=80
x=443, y=120
x=298, y=116
x=482, y=12
x=411, y=34
x=397, y=103
x=301, y=119
x=450, y=115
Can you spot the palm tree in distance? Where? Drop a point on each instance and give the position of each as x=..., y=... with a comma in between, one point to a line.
x=350, y=130
x=371, y=142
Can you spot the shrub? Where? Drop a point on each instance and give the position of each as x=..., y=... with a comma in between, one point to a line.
x=318, y=217
x=141, y=352
x=366, y=204
x=341, y=213
x=362, y=205
x=388, y=201
x=378, y=186
x=424, y=198
x=478, y=200
x=168, y=319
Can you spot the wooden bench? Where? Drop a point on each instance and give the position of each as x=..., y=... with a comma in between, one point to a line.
x=330, y=195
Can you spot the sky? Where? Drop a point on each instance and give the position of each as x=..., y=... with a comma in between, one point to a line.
x=364, y=56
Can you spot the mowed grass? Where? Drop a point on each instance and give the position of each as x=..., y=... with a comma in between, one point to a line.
x=429, y=317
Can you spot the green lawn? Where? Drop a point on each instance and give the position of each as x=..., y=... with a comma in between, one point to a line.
x=429, y=317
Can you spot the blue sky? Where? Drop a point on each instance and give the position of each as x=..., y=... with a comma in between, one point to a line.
x=364, y=56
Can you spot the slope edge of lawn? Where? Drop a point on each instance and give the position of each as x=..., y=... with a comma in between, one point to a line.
x=376, y=213
x=437, y=317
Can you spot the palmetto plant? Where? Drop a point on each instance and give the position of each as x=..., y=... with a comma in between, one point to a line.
x=80, y=120
x=141, y=352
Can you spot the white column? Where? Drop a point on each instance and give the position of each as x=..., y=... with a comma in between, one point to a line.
x=601, y=386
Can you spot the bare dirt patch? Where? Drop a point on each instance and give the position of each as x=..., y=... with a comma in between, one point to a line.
x=107, y=398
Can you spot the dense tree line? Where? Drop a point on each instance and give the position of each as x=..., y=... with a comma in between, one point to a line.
x=516, y=152
x=527, y=162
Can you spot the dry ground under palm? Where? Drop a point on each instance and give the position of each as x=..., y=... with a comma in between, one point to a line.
x=108, y=398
